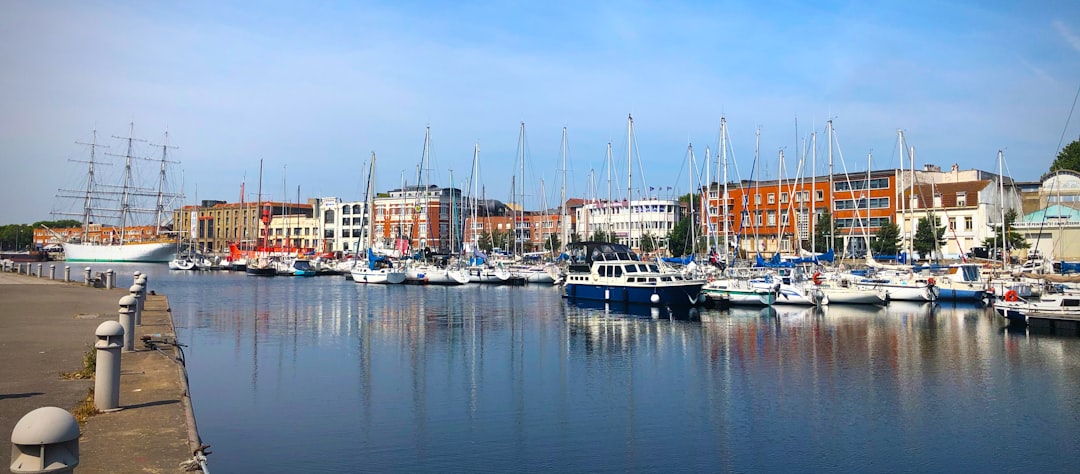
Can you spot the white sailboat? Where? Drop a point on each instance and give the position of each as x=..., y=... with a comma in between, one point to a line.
x=376, y=269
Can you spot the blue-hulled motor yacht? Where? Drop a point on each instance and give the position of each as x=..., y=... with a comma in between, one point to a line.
x=606, y=271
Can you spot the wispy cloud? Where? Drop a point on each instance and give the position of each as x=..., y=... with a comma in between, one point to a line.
x=1070, y=38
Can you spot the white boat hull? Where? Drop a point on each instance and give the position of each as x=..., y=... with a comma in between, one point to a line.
x=850, y=296
x=155, y=252
x=380, y=276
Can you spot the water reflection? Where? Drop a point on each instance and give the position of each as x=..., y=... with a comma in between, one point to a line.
x=519, y=379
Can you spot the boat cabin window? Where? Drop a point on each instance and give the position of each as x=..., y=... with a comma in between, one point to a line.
x=654, y=269
x=616, y=271
x=631, y=269
x=1070, y=302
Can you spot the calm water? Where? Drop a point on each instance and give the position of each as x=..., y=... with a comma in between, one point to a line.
x=324, y=375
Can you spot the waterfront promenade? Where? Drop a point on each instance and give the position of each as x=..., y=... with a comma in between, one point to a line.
x=45, y=329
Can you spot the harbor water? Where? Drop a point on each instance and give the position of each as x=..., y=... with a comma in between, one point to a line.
x=326, y=375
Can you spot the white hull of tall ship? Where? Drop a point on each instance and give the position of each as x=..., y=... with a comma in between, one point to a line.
x=384, y=276
x=152, y=252
x=431, y=275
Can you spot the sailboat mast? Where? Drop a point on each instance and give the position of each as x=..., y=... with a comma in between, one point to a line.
x=370, y=203
x=609, y=204
x=812, y=225
x=125, y=196
x=88, y=203
x=563, y=220
x=779, y=188
x=629, y=183
x=724, y=197
x=475, y=195
x=258, y=213
x=521, y=214
x=832, y=237
x=160, y=208
x=690, y=175
x=1001, y=208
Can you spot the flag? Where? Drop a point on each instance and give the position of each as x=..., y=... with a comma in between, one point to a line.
x=651, y=188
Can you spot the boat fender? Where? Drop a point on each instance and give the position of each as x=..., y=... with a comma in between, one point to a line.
x=817, y=278
x=1011, y=295
x=930, y=281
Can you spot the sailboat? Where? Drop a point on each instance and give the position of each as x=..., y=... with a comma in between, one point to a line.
x=262, y=266
x=120, y=243
x=378, y=268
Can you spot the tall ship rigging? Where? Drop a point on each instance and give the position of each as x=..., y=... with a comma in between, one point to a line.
x=111, y=229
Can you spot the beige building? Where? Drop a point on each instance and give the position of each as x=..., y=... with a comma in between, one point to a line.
x=211, y=226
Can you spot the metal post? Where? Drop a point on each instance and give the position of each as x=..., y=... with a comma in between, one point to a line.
x=67, y=273
x=110, y=337
x=45, y=440
x=52, y=271
x=128, y=307
x=39, y=270
x=87, y=276
x=141, y=281
x=137, y=292
x=110, y=279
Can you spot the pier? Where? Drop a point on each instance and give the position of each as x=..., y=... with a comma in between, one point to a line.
x=46, y=328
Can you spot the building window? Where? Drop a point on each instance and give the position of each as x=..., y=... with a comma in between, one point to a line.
x=820, y=195
x=757, y=199
x=783, y=198
x=345, y=210
x=969, y=224
x=328, y=217
x=772, y=198
x=772, y=217
x=961, y=199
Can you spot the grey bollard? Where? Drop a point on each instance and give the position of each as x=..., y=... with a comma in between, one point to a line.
x=141, y=281
x=138, y=292
x=128, y=307
x=46, y=440
x=52, y=271
x=67, y=273
x=110, y=278
x=110, y=339
x=87, y=276
x=21, y=266
x=39, y=270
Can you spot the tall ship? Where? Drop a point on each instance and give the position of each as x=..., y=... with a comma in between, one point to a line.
x=110, y=213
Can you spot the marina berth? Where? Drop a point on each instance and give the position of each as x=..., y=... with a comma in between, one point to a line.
x=613, y=272
x=1051, y=307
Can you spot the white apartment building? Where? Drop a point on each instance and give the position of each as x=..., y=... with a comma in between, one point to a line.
x=628, y=223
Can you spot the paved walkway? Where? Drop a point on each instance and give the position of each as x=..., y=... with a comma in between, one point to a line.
x=45, y=328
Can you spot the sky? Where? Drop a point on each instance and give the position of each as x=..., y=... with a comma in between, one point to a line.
x=312, y=89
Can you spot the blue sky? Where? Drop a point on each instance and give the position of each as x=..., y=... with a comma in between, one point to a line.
x=312, y=88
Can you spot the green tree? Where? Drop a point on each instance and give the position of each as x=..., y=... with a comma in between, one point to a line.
x=1013, y=240
x=928, y=236
x=648, y=242
x=601, y=236
x=16, y=236
x=552, y=242
x=886, y=240
x=575, y=237
x=821, y=232
x=60, y=224
x=679, y=238
x=486, y=241
x=1068, y=158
